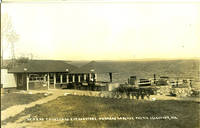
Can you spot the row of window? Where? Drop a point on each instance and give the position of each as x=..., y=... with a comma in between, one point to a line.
x=41, y=77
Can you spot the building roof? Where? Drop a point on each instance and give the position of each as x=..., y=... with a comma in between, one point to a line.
x=34, y=66
x=94, y=66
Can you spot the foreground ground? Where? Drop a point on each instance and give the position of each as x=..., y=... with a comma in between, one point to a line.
x=11, y=99
x=124, y=113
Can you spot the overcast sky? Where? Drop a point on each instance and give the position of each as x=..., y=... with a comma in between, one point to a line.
x=105, y=31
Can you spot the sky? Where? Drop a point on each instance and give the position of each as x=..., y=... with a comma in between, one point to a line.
x=105, y=31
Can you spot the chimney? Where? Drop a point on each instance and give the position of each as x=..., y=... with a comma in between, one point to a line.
x=110, y=74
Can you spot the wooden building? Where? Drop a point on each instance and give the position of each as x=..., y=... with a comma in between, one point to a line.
x=42, y=74
x=46, y=74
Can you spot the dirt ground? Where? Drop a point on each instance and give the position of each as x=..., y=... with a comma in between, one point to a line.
x=14, y=110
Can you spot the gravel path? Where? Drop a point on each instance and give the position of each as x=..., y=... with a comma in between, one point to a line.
x=14, y=110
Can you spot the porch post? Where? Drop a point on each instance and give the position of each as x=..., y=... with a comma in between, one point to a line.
x=54, y=79
x=61, y=78
x=95, y=75
x=73, y=78
x=90, y=75
x=27, y=82
x=45, y=79
x=67, y=78
x=48, y=81
x=84, y=75
x=79, y=78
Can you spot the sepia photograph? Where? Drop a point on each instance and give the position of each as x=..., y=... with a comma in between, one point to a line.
x=100, y=64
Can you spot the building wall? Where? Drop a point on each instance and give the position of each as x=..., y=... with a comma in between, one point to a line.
x=8, y=80
x=112, y=86
x=103, y=77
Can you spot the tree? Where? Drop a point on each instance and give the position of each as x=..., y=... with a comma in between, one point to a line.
x=22, y=60
x=9, y=35
x=18, y=61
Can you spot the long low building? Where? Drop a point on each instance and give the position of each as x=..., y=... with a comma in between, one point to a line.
x=45, y=74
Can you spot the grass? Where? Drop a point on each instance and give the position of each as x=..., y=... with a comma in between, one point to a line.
x=11, y=99
x=187, y=112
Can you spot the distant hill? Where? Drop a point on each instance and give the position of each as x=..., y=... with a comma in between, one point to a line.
x=146, y=69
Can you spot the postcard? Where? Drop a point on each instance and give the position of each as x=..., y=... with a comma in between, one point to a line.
x=100, y=64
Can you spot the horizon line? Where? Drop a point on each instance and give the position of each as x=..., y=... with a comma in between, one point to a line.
x=139, y=59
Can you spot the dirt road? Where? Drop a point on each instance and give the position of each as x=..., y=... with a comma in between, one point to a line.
x=14, y=110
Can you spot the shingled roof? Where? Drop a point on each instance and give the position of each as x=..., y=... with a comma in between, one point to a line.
x=93, y=66
x=43, y=66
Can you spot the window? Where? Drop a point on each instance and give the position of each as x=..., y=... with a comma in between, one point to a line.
x=36, y=77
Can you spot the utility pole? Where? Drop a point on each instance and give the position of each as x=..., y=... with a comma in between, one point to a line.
x=1, y=42
x=13, y=53
x=198, y=71
x=1, y=54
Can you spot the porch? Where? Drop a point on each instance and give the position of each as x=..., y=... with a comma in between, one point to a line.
x=47, y=81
